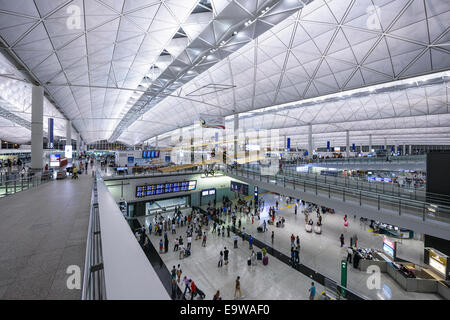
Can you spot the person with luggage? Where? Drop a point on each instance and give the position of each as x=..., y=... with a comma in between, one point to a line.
x=189, y=242
x=237, y=287
x=182, y=251
x=250, y=242
x=273, y=236
x=161, y=246
x=225, y=255
x=235, y=241
x=253, y=257
x=193, y=289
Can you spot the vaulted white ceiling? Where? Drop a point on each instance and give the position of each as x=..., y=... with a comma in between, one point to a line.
x=327, y=47
x=97, y=59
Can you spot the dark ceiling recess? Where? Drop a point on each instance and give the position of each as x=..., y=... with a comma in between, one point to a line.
x=203, y=6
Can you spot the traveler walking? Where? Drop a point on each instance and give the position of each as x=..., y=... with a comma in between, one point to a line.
x=349, y=254
x=342, y=240
x=237, y=287
x=225, y=255
x=220, y=264
x=179, y=272
x=204, y=240
x=312, y=291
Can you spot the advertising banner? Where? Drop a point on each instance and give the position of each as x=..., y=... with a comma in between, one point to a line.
x=211, y=121
x=50, y=133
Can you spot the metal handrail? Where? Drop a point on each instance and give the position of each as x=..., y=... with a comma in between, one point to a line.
x=379, y=187
x=23, y=183
x=382, y=201
x=94, y=278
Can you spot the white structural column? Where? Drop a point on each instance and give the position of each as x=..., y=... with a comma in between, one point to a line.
x=385, y=144
x=156, y=142
x=370, y=143
x=347, y=143
x=78, y=142
x=404, y=150
x=69, y=133
x=310, y=146
x=236, y=134
x=37, y=133
x=410, y=148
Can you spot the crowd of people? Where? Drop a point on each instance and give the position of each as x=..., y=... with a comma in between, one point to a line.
x=226, y=220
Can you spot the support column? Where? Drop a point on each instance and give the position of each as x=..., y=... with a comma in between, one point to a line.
x=236, y=131
x=404, y=149
x=78, y=143
x=37, y=123
x=410, y=148
x=347, y=143
x=385, y=144
x=310, y=146
x=156, y=142
x=370, y=143
x=69, y=133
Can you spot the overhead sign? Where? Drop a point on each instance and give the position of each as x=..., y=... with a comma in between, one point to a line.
x=211, y=121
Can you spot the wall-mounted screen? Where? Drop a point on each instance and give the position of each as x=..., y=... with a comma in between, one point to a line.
x=208, y=192
x=150, y=154
x=389, y=247
x=239, y=187
x=170, y=187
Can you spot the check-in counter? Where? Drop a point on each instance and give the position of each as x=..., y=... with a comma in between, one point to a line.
x=422, y=281
x=444, y=289
x=380, y=263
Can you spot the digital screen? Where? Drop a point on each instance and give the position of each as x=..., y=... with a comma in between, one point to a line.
x=156, y=189
x=388, y=250
x=213, y=191
x=205, y=193
x=239, y=188
x=389, y=247
x=149, y=154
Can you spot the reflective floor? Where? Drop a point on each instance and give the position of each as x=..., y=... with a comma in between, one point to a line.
x=43, y=231
x=324, y=254
x=271, y=282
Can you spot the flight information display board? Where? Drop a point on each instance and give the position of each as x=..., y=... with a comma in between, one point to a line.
x=239, y=188
x=149, y=154
x=162, y=188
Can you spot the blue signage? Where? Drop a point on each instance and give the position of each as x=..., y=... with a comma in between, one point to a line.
x=50, y=133
x=328, y=146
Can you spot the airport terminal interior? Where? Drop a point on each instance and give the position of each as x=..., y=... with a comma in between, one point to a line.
x=224, y=150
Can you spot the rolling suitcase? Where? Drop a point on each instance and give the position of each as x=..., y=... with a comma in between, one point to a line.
x=201, y=293
x=265, y=260
x=259, y=255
